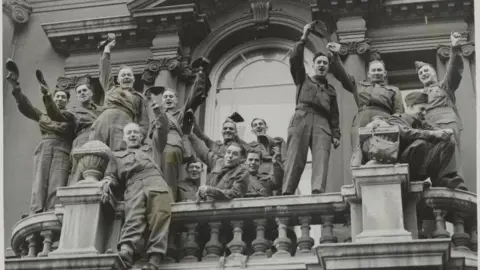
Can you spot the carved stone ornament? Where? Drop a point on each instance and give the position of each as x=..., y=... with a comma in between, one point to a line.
x=18, y=10
x=443, y=51
x=261, y=13
x=70, y=83
x=155, y=65
x=92, y=158
x=468, y=51
x=358, y=47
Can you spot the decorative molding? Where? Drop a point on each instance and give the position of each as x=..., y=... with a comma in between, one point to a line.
x=70, y=83
x=138, y=66
x=261, y=13
x=18, y=10
x=56, y=5
x=468, y=51
x=409, y=43
x=355, y=47
x=154, y=66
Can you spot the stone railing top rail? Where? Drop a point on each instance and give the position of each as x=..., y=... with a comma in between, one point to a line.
x=34, y=224
x=312, y=205
x=457, y=201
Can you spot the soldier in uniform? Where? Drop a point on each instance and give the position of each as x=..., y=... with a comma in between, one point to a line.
x=52, y=157
x=178, y=149
x=427, y=150
x=229, y=135
x=263, y=184
x=267, y=145
x=187, y=189
x=315, y=123
x=228, y=178
x=82, y=117
x=442, y=110
x=147, y=195
x=122, y=104
x=373, y=96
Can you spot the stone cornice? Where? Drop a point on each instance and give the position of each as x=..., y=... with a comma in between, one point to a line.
x=18, y=10
x=138, y=66
x=56, y=5
x=409, y=43
x=135, y=30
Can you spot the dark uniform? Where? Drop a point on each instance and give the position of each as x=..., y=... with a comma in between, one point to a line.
x=83, y=118
x=147, y=195
x=441, y=109
x=121, y=107
x=52, y=157
x=232, y=181
x=187, y=190
x=372, y=99
x=266, y=184
x=178, y=148
x=266, y=147
x=314, y=124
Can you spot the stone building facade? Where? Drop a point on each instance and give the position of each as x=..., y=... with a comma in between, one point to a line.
x=248, y=43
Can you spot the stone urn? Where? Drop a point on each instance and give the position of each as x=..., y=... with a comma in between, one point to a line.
x=92, y=160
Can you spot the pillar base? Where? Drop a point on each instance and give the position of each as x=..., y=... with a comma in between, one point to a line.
x=384, y=236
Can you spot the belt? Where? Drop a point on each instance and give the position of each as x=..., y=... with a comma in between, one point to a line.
x=445, y=109
x=374, y=107
x=313, y=109
x=143, y=175
x=53, y=136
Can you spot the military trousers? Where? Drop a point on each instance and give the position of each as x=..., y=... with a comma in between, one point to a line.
x=147, y=210
x=51, y=167
x=307, y=130
x=172, y=160
x=429, y=159
x=445, y=118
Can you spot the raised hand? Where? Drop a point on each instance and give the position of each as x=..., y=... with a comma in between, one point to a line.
x=336, y=143
x=44, y=89
x=455, y=38
x=106, y=192
x=334, y=47
x=307, y=29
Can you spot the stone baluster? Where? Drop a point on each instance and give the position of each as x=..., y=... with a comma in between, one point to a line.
x=47, y=243
x=440, y=230
x=32, y=245
x=459, y=237
x=23, y=250
x=282, y=243
x=191, y=247
x=183, y=241
x=171, y=246
x=348, y=223
x=473, y=235
x=260, y=244
x=305, y=242
x=213, y=247
x=237, y=246
x=327, y=229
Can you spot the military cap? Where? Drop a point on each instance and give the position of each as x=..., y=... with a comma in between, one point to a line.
x=416, y=98
x=420, y=64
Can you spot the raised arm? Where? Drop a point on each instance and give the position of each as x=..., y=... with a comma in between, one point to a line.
x=453, y=74
x=297, y=68
x=198, y=92
x=24, y=105
x=160, y=134
x=54, y=113
x=105, y=66
x=346, y=79
x=142, y=117
x=203, y=152
x=196, y=130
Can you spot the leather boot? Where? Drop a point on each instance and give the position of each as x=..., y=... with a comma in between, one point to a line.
x=154, y=261
x=126, y=254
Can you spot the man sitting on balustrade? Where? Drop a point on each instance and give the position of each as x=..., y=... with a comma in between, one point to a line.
x=187, y=189
x=263, y=184
x=228, y=178
x=147, y=195
x=425, y=148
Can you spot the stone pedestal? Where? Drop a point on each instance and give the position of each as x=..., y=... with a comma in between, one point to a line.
x=85, y=221
x=380, y=189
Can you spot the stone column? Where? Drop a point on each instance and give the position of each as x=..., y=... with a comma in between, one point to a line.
x=86, y=219
x=356, y=215
x=410, y=208
x=351, y=33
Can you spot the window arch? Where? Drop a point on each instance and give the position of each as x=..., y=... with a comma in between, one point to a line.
x=253, y=79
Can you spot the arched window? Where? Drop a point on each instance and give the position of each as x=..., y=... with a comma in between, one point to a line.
x=254, y=80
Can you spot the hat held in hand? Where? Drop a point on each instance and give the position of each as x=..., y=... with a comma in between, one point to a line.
x=235, y=117
x=13, y=69
x=102, y=44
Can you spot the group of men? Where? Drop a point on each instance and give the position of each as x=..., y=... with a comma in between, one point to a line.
x=147, y=175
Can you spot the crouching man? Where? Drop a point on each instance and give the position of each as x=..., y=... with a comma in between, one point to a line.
x=147, y=195
x=228, y=178
x=426, y=149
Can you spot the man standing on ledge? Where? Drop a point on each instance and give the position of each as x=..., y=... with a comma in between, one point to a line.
x=315, y=123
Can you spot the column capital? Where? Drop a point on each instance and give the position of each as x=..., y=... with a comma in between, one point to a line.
x=18, y=10
x=468, y=51
x=355, y=47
